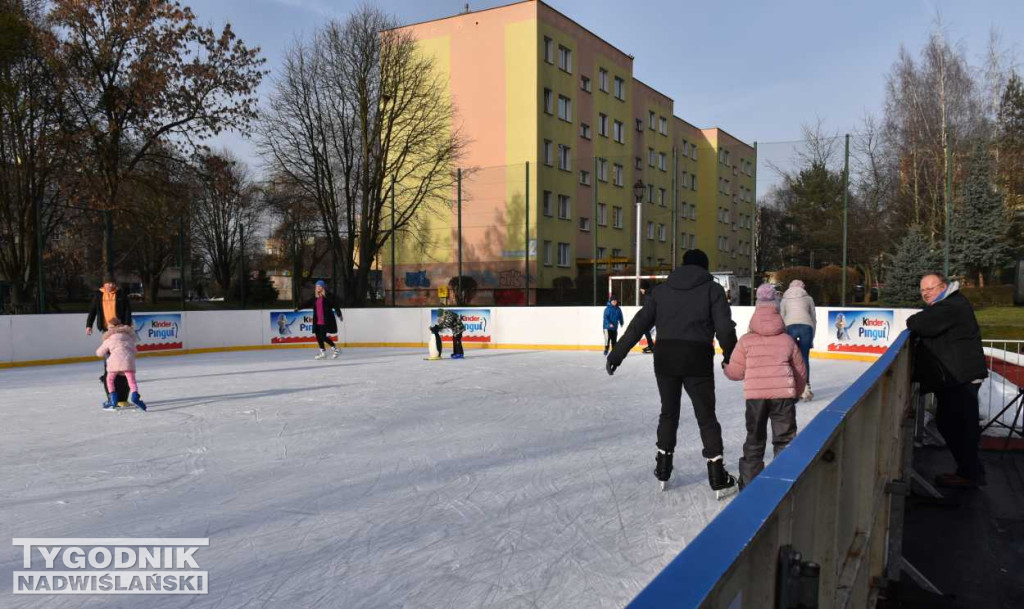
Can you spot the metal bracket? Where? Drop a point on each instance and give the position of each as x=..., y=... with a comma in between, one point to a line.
x=798, y=581
x=924, y=484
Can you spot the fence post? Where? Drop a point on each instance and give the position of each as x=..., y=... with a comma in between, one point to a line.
x=595, y=182
x=39, y=255
x=458, y=297
x=846, y=190
x=526, y=252
x=753, y=234
x=181, y=258
x=394, y=236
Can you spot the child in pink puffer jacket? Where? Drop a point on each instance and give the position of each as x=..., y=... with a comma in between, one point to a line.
x=119, y=349
x=769, y=363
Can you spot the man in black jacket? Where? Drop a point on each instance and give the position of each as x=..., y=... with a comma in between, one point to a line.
x=689, y=310
x=949, y=362
x=109, y=303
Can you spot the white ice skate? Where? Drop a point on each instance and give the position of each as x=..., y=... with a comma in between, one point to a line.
x=321, y=355
x=807, y=395
x=335, y=353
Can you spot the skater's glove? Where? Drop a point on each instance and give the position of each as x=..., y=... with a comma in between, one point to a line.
x=611, y=367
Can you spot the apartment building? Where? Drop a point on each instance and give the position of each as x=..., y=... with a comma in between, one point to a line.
x=562, y=139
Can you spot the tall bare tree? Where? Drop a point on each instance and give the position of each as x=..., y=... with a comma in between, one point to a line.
x=297, y=231
x=357, y=108
x=30, y=160
x=140, y=72
x=226, y=215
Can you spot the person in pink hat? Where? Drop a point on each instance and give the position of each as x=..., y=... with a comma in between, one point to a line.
x=772, y=369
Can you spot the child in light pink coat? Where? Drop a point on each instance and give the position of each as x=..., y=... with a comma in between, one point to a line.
x=769, y=363
x=119, y=349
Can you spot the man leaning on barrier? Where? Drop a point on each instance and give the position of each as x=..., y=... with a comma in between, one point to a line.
x=949, y=362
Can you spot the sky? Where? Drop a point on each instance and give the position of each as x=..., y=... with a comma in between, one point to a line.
x=758, y=70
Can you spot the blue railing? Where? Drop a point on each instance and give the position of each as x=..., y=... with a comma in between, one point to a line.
x=718, y=568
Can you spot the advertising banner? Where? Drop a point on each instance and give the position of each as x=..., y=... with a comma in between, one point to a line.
x=158, y=332
x=476, y=321
x=860, y=331
x=288, y=327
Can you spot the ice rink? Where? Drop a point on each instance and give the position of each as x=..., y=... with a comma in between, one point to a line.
x=508, y=479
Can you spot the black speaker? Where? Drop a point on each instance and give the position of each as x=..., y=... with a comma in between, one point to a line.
x=1018, y=283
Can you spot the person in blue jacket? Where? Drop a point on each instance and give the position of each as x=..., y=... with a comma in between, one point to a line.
x=612, y=321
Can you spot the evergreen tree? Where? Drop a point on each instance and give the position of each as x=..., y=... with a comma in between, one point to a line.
x=912, y=259
x=1010, y=155
x=977, y=241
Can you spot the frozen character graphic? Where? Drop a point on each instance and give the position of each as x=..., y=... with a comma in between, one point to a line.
x=842, y=332
x=284, y=327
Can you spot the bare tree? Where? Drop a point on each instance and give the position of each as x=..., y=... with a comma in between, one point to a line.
x=226, y=214
x=357, y=109
x=297, y=233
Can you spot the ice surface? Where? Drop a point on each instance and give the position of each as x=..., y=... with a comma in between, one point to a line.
x=508, y=479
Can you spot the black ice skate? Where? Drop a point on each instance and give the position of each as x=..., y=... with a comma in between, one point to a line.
x=720, y=480
x=663, y=467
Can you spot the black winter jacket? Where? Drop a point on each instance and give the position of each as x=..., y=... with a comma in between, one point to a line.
x=330, y=306
x=122, y=307
x=689, y=311
x=948, y=344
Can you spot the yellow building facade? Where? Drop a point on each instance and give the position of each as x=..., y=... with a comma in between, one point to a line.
x=537, y=94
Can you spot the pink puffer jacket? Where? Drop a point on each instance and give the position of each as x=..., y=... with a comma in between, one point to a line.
x=767, y=359
x=119, y=343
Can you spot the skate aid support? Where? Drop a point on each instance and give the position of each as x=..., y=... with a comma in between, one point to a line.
x=827, y=512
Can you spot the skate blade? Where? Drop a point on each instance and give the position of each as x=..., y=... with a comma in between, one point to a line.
x=727, y=492
x=664, y=486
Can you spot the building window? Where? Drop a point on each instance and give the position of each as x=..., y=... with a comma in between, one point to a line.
x=564, y=59
x=682, y=241
x=602, y=170
x=564, y=158
x=617, y=253
x=549, y=101
x=602, y=124
x=549, y=50
x=650, y=193
x=620, y=88
x=585, y=224
x=584, y=177
x=661, y=233
x=619, y=173
x=686, y=148
x=685, y=180
x=662, y=162
x=585, y=83
x=650, y=157
x=619, y=132
x=617, y=217
x=639, y=125
x=693, y=212
x=651, y=120
x=693, y=152
x=661, y=197
x=563, y=254
x=548, y=206
x=693, y=182
x=585, y=131
x=662, y=125
x=547, y=253
x=602, y=79
x=563, y=207
x=602, y=214
x=564, y=108
x=639, y=163
x=601, y=252
x=549, y=153
x=650, y=231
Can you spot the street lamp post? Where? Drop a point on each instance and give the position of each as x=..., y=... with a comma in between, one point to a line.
x=638, y=194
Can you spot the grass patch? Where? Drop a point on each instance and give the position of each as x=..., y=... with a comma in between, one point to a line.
x=997, y=323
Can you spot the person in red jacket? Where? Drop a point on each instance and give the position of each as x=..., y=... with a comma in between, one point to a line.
x=771, y=366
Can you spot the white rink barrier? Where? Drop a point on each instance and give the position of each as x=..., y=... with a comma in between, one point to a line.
x=53, y=339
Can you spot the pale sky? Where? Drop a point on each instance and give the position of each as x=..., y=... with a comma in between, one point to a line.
x=756, y=69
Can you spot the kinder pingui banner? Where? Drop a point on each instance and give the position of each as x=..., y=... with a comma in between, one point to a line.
x=476, y=321
x=860, y=331
x=288, y=327
x=159, y=332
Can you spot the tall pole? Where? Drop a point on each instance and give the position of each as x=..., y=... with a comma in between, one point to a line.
x=846, y=201
x=526, y=251
x=753, y=234
x=108, y=238
x=241, y=264
x=595, y=182
x=458, y=178
x=41, y=283
x=394, y=236
x=675, y=204
x=949, y=201
x=639, y=202
x=181, y=258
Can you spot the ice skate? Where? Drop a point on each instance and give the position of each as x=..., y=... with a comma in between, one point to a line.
x=335, y=353
x=721, y=481
x=663, y=467
x=807, y=395
x=321, y=355
x=648, y=350
x=111, y=402
x=137, y=400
